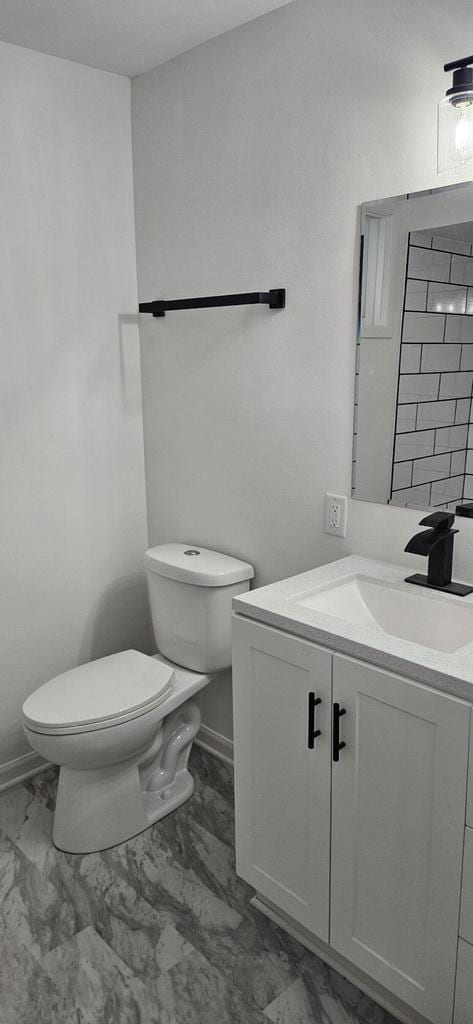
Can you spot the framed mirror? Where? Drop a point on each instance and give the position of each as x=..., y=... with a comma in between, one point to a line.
x=413, y=423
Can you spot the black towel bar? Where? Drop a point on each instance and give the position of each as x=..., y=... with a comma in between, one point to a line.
x=275, y=299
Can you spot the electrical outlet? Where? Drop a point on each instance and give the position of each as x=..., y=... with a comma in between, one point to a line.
x=336, y=514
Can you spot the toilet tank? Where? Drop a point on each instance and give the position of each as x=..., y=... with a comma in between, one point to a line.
x=191, y=591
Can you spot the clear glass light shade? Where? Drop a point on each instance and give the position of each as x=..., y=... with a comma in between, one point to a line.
x=455, y=133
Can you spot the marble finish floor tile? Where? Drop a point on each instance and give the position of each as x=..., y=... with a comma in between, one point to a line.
x=293, y=1006
x=158, y=930
x=97, y=984
x=196, y=992
x=338, y=997
x=30, y=906
x=27, y=994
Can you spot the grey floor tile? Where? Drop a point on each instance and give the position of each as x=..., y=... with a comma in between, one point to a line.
x=294, y=1006
x=30, y=906
x=27, y=994
x=153, y=872
x=313, y=999
x=340, y=1001
x=99, y=986
x=212, y=804
x=192, y=846
x=44, y=786
x=28, y=823
x=159, y=930
x=195, y=992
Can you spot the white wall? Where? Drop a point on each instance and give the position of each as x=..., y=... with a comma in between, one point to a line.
x=251, y=155
x=72, y=512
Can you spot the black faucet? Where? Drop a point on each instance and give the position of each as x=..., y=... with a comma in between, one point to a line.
x=437, y=544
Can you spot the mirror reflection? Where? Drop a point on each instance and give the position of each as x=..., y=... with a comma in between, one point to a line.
x=413, y=435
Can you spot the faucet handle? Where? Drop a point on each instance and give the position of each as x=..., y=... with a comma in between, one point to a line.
x=465, y=510
x=442, y=521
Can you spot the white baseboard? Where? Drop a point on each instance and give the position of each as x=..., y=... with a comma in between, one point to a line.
x=215, y=744
x=14, y=772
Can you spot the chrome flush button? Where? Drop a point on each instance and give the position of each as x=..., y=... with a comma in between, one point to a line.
x=192, y=551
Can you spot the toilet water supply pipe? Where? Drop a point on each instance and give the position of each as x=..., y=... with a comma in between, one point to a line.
x=177, y=741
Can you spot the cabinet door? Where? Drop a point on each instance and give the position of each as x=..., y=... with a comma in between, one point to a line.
x=398, y=813
x=464, y=987
x=282, y=780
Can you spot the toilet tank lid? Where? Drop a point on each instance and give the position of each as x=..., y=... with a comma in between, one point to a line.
x=189, y=563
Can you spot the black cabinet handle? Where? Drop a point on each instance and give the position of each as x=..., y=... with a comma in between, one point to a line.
x=312, y=731
x=337, y=746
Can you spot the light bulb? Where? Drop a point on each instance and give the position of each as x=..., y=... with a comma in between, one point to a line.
x=455, y=134
x=463, y=134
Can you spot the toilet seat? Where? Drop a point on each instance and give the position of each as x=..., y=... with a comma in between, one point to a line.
x=99, y=695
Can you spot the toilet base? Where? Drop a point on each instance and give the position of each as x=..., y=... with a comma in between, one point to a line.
x=100, y=808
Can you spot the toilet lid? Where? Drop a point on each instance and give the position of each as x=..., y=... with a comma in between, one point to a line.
x=123, y=686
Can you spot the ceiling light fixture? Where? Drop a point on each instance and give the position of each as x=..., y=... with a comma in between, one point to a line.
x=455, y=119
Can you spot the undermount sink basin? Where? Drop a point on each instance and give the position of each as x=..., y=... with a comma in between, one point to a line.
x=402, y=610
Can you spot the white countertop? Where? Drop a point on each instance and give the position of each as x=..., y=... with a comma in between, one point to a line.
x=276, y=605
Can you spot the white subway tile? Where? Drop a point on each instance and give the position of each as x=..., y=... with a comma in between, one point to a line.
x=466, y=362
x=406, y=418
x=455, y=385
x=402, y=475
x=410, y=357
x=462, y=414
x=446, y=298
x=448, y=439
x=447, y=490
x=434, y=468
x=414, y=446
x=421, y=238
x=459, y=328
x=423, y=327
x=450, y=244
x=461, y=270
x=440, y=357
x=418, y=387
x=416, y=295
x=457, y=465
x=428, y=264
x=412, y=497
x=468, y=488
x=397, y=500
x=435, y=414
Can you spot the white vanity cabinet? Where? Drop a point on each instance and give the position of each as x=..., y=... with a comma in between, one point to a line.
x=361, y=845
x=283, y=774
x=398, y=816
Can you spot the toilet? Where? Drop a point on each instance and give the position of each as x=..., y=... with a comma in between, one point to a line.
x=121, y=728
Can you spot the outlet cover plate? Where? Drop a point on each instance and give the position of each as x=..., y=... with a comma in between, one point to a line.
x=336, y=507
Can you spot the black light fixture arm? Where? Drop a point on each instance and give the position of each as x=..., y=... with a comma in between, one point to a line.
x=462, y=79
x=464, y=62
x=275, y=299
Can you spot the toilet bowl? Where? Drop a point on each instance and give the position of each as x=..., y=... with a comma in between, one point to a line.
x=121, y=728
